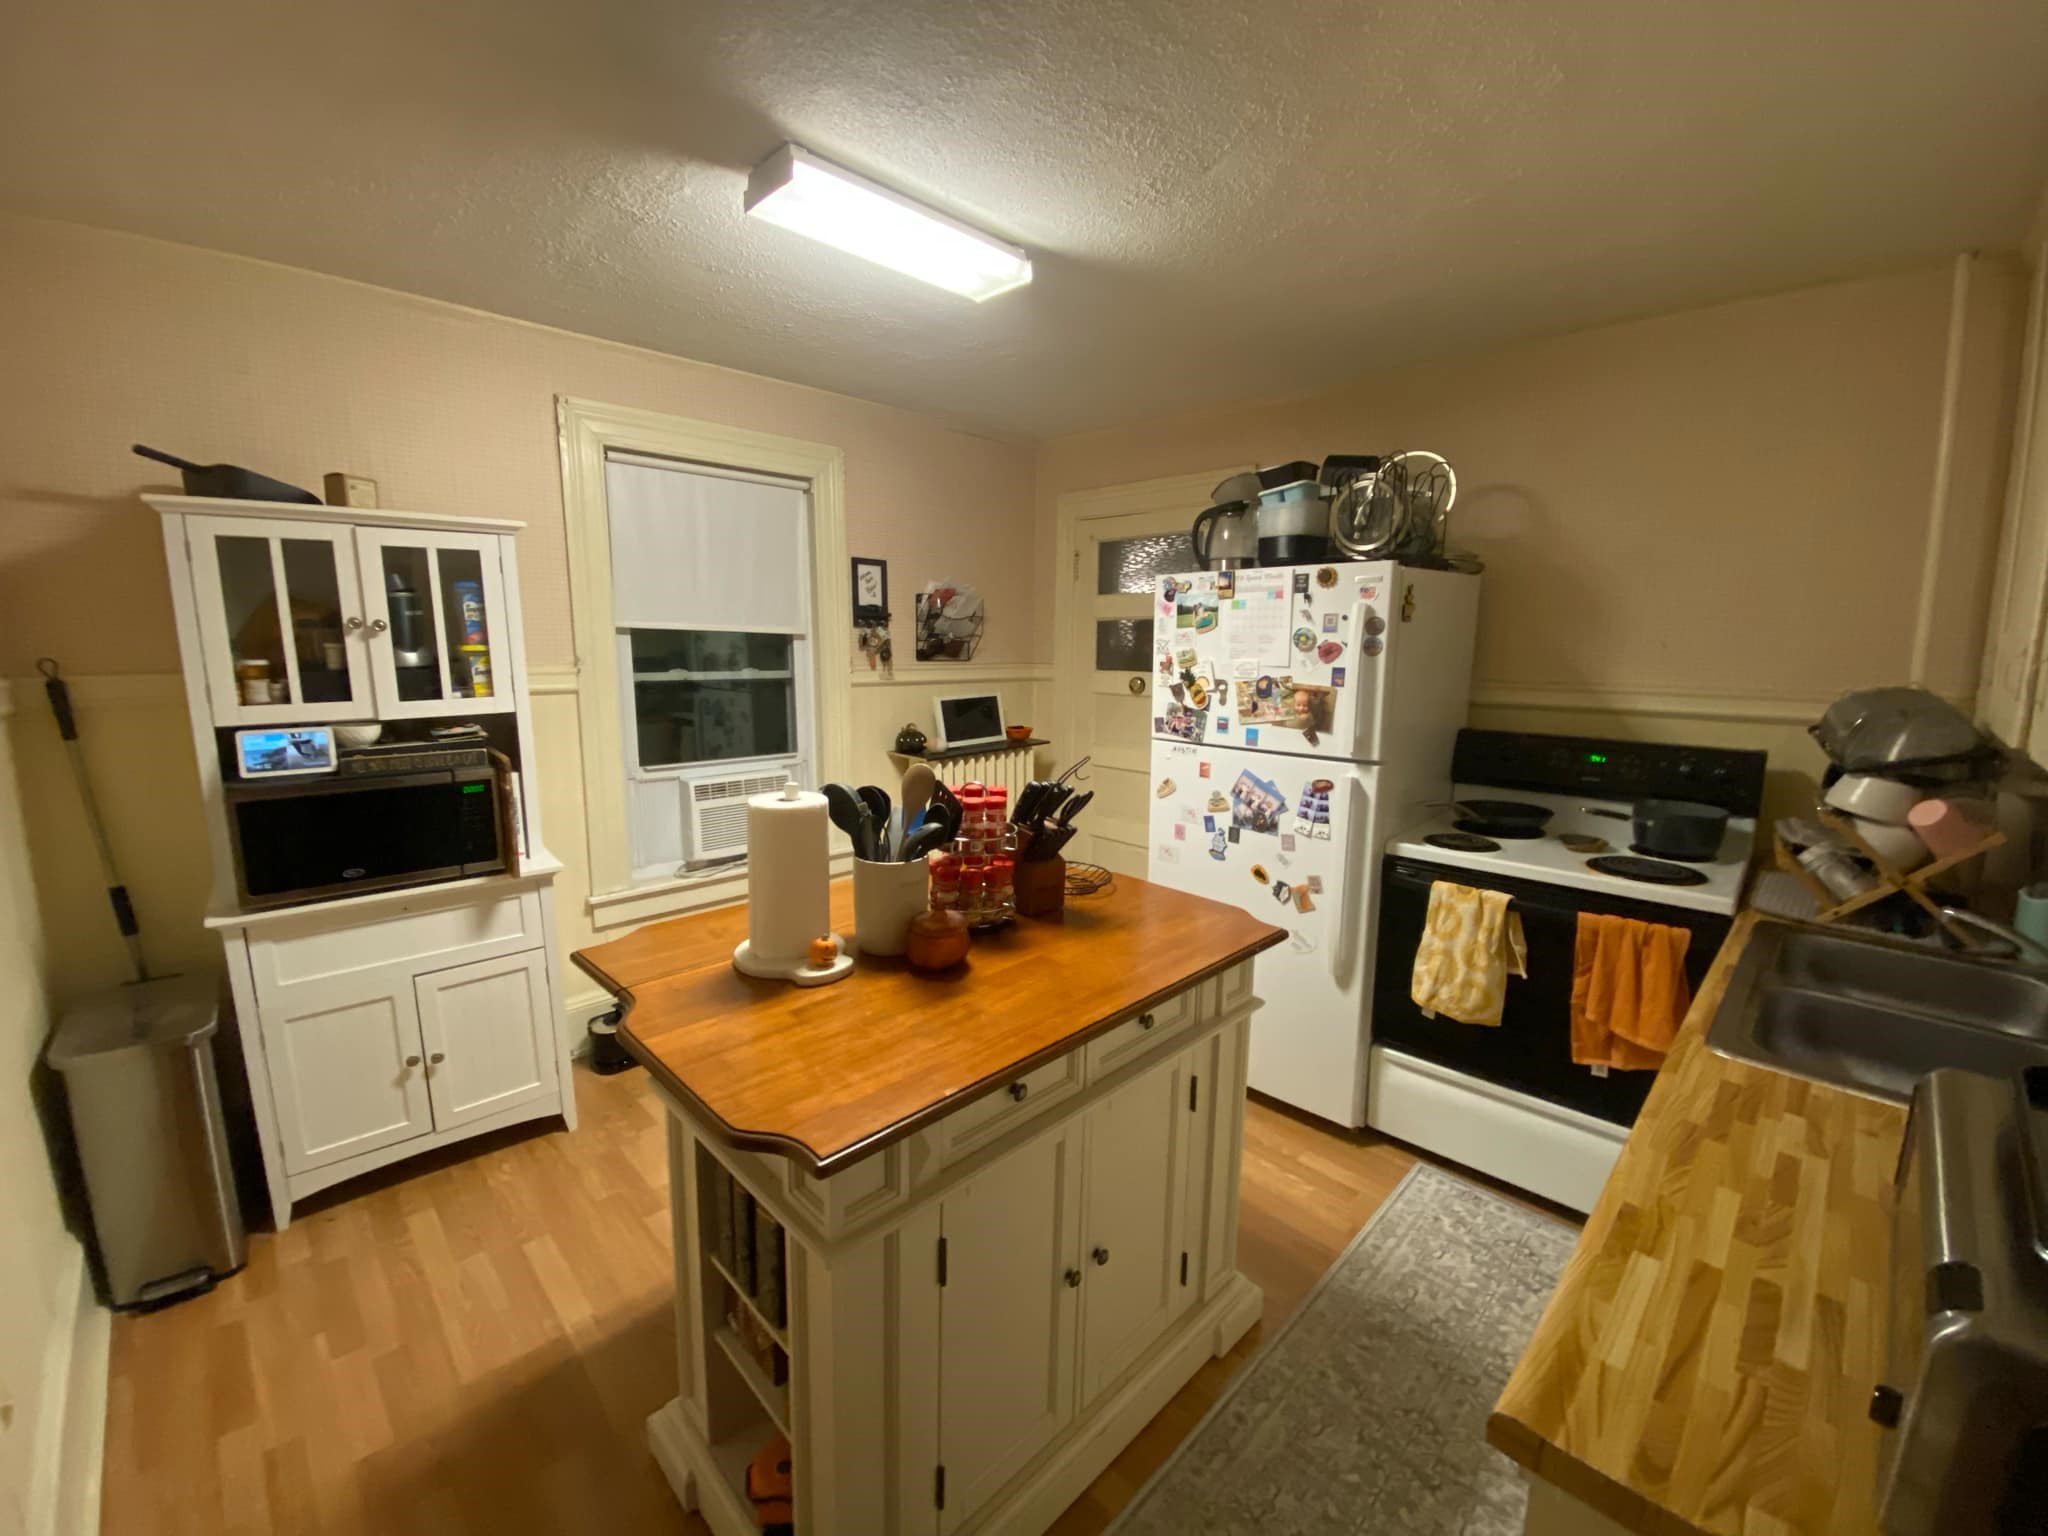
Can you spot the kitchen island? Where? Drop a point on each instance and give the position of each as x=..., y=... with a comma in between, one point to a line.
x=958, y=1236
x=1706, y=1363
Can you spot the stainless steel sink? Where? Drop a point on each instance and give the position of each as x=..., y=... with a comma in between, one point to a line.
x=1873, y=1015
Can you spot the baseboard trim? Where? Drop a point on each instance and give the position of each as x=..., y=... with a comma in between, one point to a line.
x=64, y=1494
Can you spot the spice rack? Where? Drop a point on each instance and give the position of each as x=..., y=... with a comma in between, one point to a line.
x=1891, y=880
x=976, y=876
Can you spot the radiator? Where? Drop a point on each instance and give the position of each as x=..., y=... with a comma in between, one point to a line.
x=1007, y=767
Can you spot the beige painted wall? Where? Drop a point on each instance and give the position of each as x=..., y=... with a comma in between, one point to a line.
x=41, y=1266
x=114, y=339
x=1707, y=519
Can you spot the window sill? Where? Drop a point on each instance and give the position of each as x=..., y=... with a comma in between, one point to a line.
x=683, y=894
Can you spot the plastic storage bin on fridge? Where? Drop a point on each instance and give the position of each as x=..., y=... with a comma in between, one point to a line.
x=145, y=1106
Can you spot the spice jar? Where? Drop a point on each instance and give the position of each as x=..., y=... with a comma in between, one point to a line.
x=945, y=882
x=1001, y=885
x=974, y=893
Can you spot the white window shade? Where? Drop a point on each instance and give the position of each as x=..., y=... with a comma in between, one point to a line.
x=701, y=550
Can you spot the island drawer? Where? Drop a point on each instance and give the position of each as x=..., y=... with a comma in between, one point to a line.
x=1001, y=1111
x=1139, y=1033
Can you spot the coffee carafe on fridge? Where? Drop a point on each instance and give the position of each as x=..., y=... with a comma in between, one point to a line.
x=1225, y=537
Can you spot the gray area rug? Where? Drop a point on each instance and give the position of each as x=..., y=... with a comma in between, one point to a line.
x=1367, y=1413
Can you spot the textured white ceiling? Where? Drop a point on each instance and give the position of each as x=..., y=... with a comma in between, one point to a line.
x=1223, y=200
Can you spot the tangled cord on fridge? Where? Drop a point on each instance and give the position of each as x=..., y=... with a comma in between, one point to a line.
x=1087, y=879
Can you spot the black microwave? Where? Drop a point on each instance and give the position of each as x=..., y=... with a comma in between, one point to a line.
x=310, y=839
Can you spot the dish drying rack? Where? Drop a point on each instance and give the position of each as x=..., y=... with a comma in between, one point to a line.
x=1891, y=880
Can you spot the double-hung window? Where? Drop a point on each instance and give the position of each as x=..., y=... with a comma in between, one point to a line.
x=712, y=634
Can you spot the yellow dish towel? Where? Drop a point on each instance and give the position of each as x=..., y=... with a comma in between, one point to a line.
x=1470, y=944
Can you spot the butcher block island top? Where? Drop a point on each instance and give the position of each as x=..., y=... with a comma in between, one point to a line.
x=826, y=1075
x=1707, y=1360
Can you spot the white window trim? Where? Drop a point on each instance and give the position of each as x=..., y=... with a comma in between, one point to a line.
x=588, y=429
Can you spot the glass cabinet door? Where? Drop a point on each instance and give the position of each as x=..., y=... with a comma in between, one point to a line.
x=436, y=641
x=280, y=620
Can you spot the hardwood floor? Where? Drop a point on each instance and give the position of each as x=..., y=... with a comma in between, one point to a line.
x=470, y=1345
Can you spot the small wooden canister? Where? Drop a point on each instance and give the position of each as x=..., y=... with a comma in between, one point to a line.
x=1041, y=886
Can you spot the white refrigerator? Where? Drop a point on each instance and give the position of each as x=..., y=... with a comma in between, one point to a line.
x=1300, y=716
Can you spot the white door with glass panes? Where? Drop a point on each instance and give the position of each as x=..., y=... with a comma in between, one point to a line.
x=711, y=607
x=283, y=627
x=1106, y=676
x=488, y=1036
x=436, y=609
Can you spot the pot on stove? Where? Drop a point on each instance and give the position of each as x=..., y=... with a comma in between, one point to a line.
x=1672, y=829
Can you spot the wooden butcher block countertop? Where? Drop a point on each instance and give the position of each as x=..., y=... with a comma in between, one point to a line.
x=1707, y=1360
x=826, y=1075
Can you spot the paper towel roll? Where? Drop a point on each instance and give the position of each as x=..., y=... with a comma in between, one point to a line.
x=788, y=898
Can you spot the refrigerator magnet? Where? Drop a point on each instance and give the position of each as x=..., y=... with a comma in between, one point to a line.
x=1231, y=834
x=1180, y=831
x=1336, y=677
x=1166, y=787
x=1283, y=892
x=1259, y=874
x=1202, y=769
x=1217, y=802
x=1219, y=847
x=1301, y=901
x=1168, y=854
x=1300, y=582
x=1327, y=576
x=1329, y=623
x=1208, y=823
x=1226, y=583
x=1251, y=736
x=1287, y=842
x=1315, y=883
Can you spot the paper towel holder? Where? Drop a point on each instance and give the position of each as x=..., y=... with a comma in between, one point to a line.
x=782, y=938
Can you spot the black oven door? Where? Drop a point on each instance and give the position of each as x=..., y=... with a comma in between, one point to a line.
x=339, y=837
x=1531, y=1050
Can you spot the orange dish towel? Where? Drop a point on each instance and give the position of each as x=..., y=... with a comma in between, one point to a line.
x=1471, y=943
x=1629, y=992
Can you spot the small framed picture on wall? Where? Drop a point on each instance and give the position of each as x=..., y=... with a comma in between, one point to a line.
x=870, y=591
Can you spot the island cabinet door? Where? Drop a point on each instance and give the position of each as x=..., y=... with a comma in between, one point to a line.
x=1134, y=1219
x=1007, y=1311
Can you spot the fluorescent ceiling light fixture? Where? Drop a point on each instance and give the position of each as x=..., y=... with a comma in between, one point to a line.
x=797, y=190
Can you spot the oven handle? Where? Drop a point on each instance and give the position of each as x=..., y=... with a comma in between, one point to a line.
x=1566, y=902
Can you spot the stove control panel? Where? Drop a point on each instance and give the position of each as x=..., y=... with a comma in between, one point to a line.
x=1602, y=769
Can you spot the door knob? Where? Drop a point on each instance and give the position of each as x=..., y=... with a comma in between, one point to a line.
x=437, y=1058
x=378, y=626
x=412, y=1061
x=352, y=622
x=1146, y=1021
x=1100, y=1255
x=1136, y=685
x=1073, y=1278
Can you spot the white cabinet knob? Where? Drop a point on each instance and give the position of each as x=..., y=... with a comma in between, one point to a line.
x=352, y=623
x=437, y=1058
x=412, y=1061
x=378, y=626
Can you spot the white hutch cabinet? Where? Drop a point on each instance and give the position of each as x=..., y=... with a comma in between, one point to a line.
x=379, y=1025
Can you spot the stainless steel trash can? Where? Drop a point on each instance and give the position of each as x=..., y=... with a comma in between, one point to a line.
x=145, y=1107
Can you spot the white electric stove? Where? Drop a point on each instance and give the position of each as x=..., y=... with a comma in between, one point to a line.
x=1509, y=1100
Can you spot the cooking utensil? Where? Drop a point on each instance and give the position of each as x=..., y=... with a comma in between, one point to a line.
x=876, y=799
x=1028, y=802
x=1672, y=829
x=1068, y=776
x=228, y=480
x=915, y=792
x=1046, y=844
x=850, y=815
x=1426, y=486
x=1873, y=798
x=1508, y=816
x=1879, y=728
x=1583, y=842
x=929, y=838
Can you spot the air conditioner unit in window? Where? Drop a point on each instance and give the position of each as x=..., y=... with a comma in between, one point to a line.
x=715, y=811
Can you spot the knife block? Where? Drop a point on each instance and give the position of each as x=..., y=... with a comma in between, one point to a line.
x=1041, y=886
